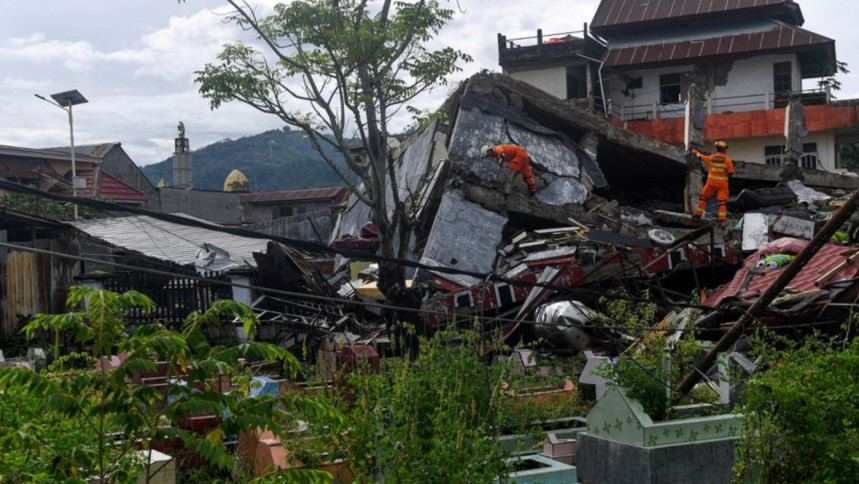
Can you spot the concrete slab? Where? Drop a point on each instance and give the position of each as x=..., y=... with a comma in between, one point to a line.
x=464, y=236
x=563, y=191
x=547, y=153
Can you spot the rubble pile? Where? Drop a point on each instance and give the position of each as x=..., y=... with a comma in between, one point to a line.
x=610, y=212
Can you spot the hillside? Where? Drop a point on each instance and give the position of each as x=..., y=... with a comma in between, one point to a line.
x=291, y=163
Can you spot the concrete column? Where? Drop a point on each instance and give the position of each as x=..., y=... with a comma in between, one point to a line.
x=242, y=295
x=91, y=284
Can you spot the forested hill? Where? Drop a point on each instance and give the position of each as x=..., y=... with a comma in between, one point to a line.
x=292, y=163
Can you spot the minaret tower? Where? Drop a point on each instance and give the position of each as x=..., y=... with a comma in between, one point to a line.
x=182, y=161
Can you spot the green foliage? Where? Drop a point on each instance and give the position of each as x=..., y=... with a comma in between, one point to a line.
x=830, y=81
x=37, y=206
x=74, y=423
x=850, y=156
x=631, y=317
x=649, y=371
x=340, y=71
x=270, y=160
x=801, y=417
x=428, y=419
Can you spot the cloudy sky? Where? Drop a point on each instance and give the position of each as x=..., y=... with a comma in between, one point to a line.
x=134, y=61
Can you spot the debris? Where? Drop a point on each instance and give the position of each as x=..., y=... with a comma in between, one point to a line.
x=805, y=194
x=794, y=227
x=755, y=231
x=661, y=237
x=562, y=324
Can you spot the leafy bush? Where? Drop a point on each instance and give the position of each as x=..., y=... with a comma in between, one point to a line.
x=74, y=424
x=801, y=419
x=429, y=419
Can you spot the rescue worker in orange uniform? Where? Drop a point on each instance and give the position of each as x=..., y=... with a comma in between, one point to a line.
x=719, y=168
x=518, y=159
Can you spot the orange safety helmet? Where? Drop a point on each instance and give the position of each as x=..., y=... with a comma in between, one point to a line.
x=721, y=145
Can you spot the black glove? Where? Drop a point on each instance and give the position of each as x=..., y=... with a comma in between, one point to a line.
x=532, y=194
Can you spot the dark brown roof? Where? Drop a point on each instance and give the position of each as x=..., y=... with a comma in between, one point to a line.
x=313, y=194
x=781, y=37
x=614, y=13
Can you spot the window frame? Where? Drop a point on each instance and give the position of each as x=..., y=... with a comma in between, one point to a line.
x=671, y=81
x=783, y=78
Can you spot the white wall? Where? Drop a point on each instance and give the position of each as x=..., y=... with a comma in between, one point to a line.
x=751, y=150
x=752, y=77
x=552, y=80
x=637, y=104
x=747, y=77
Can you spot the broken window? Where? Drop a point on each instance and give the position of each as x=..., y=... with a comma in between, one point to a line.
x=782, y=77
x=809, y=158
x=577, y=82
x=773, y=155
x=670, y=88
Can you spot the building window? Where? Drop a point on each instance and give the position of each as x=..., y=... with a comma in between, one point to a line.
x=280, y=212
x=773, y=155
x=670, y=88
x=809, y=158
x=782, y=77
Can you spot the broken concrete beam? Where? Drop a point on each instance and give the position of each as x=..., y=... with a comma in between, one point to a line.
x=811, y=177
x=575, y=120
x=496, y=201
x=635, y=216
x=794, y=227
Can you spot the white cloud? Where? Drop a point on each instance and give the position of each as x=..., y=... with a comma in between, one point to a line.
x=138, y=75
x=185, y=45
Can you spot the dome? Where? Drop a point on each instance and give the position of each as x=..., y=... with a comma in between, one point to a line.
x=237, y=182
x=162, y=183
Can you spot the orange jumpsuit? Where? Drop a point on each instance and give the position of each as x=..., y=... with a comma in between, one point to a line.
x=519, y=162
x=719, y=166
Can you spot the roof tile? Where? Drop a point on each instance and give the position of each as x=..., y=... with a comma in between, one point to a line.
x=781, y=36
x=331, y=193
x=612, y=13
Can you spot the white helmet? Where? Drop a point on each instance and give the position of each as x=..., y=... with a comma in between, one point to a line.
x=487, y=151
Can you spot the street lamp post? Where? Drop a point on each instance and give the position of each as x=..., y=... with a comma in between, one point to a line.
x=65, y=101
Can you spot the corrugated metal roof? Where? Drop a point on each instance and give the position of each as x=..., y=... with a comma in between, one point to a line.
x=613, y=13
x=293, y=195
x=825, y=260
x=96, y=150
x=168, y=241
x=779, y=36
x=47, y=154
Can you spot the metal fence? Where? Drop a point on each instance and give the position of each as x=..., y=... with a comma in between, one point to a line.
x=175, y=297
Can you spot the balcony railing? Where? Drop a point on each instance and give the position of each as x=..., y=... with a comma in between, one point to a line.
x=540, y=48
x=722, y=105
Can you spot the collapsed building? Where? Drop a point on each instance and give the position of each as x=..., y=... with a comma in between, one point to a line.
x=611, y=213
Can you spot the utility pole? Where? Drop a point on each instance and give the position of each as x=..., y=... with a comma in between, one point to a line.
x=65, y=101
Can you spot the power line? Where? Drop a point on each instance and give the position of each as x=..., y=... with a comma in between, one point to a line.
x=313, y=247
x=354, y=302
